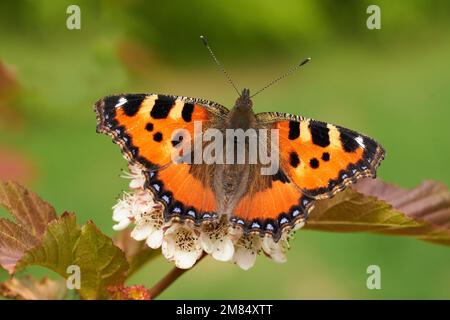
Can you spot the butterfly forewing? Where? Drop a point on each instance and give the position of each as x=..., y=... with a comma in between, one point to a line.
x=321, y=158
x=144, y=126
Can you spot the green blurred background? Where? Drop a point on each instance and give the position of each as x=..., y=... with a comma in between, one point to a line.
x=392, y=84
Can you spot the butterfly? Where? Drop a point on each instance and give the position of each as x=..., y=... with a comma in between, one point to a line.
x=316, y=160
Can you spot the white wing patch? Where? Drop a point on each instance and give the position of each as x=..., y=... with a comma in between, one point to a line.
x=121, y=102
x=360, y=141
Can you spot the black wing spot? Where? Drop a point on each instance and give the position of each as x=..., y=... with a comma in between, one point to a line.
x=149, y=127
x=319, y=133
x=187, y=111
x=314, y=163
x=162, y=107
x=325, y=156
x=293, y=159
x=158, y=137
x=294, y=130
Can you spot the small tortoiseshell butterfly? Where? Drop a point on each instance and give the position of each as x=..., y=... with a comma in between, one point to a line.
x=316, y=160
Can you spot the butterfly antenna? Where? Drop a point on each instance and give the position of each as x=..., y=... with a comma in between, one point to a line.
x=287, y=73
x=205, y=42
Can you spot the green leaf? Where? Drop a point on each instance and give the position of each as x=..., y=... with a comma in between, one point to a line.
x=15, y=240
x=423, y=212
x=56, y=251
x=102, y=264
x=31, y=215
x=28, y=209
x=350, y=211
x=40, y=238
x=64, y=244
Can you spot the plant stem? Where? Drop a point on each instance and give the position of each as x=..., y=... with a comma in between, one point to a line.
x=169, y=278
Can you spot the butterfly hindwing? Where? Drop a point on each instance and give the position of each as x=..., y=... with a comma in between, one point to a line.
x=277, y=205
x=146, y=127
x=183, y=194
x=320, y=158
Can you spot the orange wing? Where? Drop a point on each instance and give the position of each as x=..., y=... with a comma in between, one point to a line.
x=316, y=161
x=278, y=206
x=183, y=195
x=144, y=125
x=147, y=127
x=320, y=158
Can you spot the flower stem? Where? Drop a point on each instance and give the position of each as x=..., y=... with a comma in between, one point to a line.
x=169, y=278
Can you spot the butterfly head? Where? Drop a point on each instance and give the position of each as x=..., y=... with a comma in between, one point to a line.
x=244, y=102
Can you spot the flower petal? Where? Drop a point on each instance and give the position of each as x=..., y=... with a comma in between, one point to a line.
x=275, y=250
x=224, y=250
x=186, y=259
x=244, y=258
x=142, y=231
x=246, y=250
x=122, y=224
x=155, y=239
x=206, y=243
x=137, y=181
x=168, y=247
x=121, y=211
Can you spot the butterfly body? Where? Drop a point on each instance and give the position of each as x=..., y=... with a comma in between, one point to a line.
x=230, y=180
x=314, y=159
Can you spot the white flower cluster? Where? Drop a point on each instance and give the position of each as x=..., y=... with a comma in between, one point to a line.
x=184, y=243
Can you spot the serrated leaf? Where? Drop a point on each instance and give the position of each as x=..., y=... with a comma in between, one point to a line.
x=29, y=288
x=387, y=209
x=102, y=264
x=56, y=249
x=350, y=211
x=31, y=215
x=429, y=201
x=64, y=244
x=28, y=209
x=15, y=241
x=428, y=204
x=57, y=243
